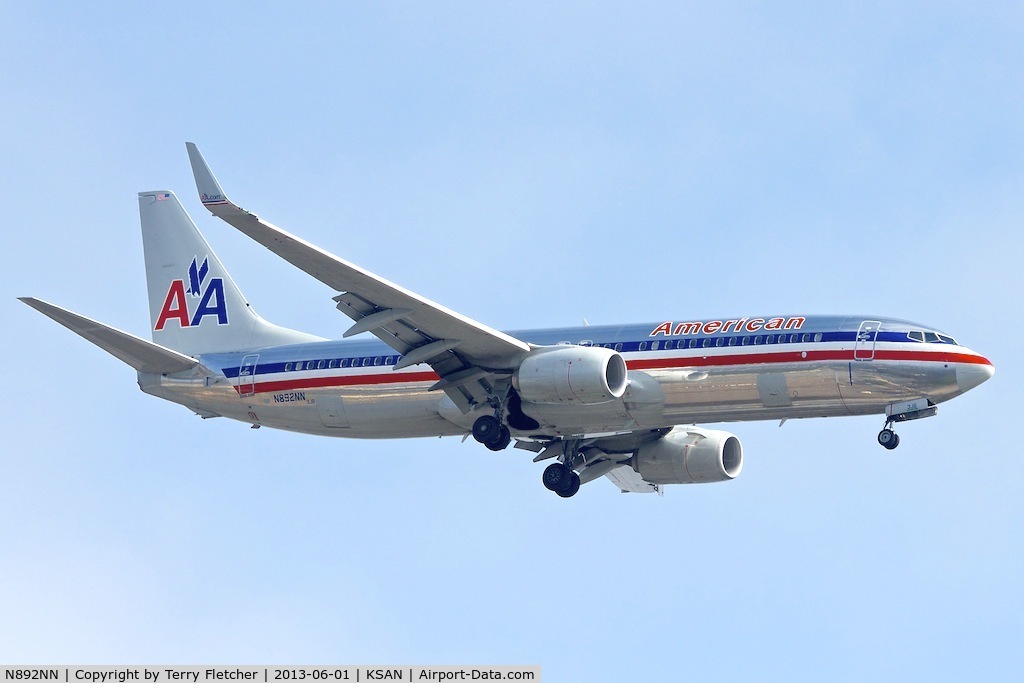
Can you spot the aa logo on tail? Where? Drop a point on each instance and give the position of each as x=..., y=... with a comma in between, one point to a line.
x=211, y=299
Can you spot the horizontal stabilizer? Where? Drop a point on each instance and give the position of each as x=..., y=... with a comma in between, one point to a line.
x=144, y=356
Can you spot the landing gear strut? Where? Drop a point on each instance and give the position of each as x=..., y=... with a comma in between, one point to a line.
x=489, y=431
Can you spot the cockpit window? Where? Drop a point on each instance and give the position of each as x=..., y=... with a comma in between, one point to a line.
x=932, y=338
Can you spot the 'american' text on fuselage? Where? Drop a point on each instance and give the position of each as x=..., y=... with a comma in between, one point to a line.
x=670, y=328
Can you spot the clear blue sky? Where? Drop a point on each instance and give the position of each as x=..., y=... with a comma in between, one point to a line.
x=527, y=165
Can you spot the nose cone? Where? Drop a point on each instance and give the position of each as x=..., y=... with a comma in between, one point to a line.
x=970, y=376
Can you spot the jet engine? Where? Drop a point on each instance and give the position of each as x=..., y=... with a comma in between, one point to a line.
x=690, y=455
x=584, y=375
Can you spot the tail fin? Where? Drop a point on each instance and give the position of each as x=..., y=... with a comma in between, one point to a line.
x=195, y=307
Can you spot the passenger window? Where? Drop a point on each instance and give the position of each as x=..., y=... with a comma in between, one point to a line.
x=818, y=337
x=706, y=343
x=320, y=365
x=344, y=362
x=757, y=339
x=807, y=338
x=720, y=341
x=745, y=341
x=377, y=360
x=618, y=347
x=655, y=345
x=770, y=339
x=643, y=346
x=732, y=341
x=330, y=364
x=288, y=367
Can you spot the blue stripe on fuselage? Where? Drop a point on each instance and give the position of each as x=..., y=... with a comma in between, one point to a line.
x=625, y=339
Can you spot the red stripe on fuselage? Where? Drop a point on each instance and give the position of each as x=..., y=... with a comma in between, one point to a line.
x=801, y=357
x=343, y=381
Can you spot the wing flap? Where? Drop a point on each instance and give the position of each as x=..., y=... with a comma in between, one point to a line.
x=144, y=356
x=628, y=481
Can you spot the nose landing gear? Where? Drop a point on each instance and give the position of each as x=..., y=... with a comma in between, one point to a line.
x=888, y=438
x=901, y=412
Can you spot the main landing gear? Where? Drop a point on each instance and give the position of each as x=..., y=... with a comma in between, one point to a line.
x=560, y=478
x=489, y=431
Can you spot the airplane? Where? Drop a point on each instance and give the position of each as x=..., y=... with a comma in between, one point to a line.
x=618, y=401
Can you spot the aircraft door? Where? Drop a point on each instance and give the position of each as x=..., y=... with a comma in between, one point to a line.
x=864, y=346
x=247, y=375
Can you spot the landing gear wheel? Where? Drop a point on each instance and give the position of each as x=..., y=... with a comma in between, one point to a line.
x=574, y=486
x=501, y=441
x=487, y=429
x=888, y=439
x=557, y=477
x=561, y=479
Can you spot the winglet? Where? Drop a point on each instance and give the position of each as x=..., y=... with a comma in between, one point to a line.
x=210, y=191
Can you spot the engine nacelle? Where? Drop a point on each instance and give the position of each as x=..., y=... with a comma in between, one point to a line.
x=690, y=455
x=582, y=375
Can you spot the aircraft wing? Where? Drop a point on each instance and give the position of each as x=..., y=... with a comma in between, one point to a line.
x=144, y=356
x=463, y=352
x=629, y=481
x=608, y=456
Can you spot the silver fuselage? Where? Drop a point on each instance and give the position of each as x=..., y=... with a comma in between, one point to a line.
x=680, y=372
